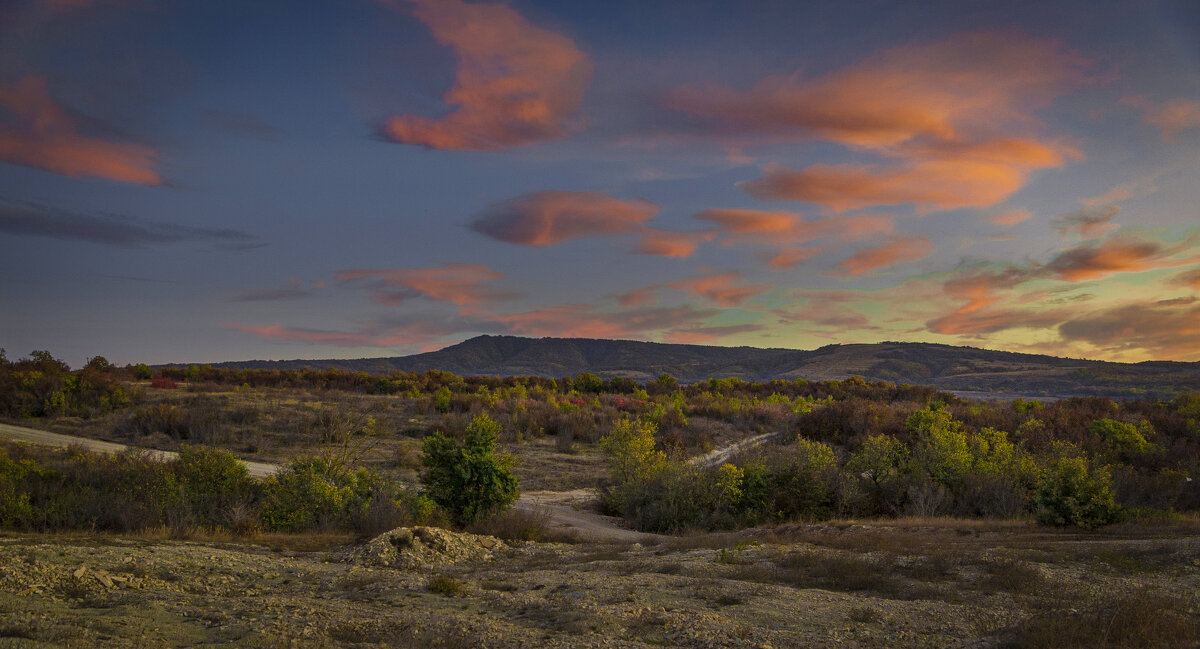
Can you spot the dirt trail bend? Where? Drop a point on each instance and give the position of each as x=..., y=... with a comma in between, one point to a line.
x=571, y=511
x=46, y=438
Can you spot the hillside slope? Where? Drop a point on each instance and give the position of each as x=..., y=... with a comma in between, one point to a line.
x=959, y=369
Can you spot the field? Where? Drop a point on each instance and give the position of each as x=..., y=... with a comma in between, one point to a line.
x=837, y=513
x=908, y=583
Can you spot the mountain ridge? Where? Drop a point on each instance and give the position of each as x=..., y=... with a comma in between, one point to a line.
x=957, y=369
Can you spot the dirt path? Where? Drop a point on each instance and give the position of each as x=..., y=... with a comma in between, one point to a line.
x=46, y=438
x=570, y=511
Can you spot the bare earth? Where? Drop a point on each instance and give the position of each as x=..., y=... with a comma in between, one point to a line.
x=908, y=583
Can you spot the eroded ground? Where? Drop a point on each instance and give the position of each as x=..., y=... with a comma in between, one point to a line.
x=896, y=584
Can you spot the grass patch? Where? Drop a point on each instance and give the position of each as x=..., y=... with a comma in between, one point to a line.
x=446, y=585
x=1012, y=577
x=1143, y=620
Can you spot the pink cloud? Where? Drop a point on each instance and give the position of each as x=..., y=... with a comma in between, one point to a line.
x=785, y=231
x=896, y=250
x=584, y=321
x=1009, y=217
x=39, y=133
x=461, y=284
x=551, y=217
x=516, y=84
x=1174, y=117
x=721, y=288
x=670, y=244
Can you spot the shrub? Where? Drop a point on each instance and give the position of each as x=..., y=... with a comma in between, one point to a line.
x=1070, y=494
x=471, y=480
x=447, y=585
x=211, y=484
x=311, y=493
x=803, y=482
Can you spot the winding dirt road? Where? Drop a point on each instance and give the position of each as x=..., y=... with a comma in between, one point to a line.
x=46, y=438
x=569, y=511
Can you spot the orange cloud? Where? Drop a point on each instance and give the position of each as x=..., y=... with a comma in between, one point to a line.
x=1118, y=255
x=583, y=321
x=986, y=322
x=1190, y=279
x=939, y=184
x=1167, y=329
x=461, y=284
x=1174, y=117
x=551, y=217
x=785, y=230
x=941, y=91
x=39, y=133
x=670, y=244
x=896, y=250
x=516, y=84
x=777, y=227
x=979, y=289
x=721, y=288
x=1088, y=223
x=1010, y=217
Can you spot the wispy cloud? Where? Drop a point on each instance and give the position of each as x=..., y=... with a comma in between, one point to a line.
x=551, y=217
x=1088, y=223
x=953, y=116
x=896, y=250
x=464, y=285
x=517, y=84
x=1162, y=328
x=721, y=288
x=37, y=132
x=27, y=219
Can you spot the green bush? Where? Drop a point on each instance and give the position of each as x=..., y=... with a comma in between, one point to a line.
x=312, y=493
x=212, y=483
x=1072, y=495
x=471, y=480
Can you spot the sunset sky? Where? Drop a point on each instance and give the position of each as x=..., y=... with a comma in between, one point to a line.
x=206, y=181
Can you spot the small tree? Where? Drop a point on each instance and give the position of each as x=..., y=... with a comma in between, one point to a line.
x=1070, y=494
x=472, y=480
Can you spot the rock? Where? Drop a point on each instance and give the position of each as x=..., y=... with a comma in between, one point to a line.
x=80, y=572
x=422, y=547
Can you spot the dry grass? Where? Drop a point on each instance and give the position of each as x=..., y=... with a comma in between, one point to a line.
x=523, y=525
x=1142, y=620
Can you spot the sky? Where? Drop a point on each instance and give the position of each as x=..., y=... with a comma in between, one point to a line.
x=222, y=180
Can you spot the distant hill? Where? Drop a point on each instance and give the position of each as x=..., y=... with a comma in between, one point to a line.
x=968, y=370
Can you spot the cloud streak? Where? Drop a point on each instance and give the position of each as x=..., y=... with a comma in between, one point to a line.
x=37, y=132
x=896, y=250
x=551, y=217
x=465, y=285
x=516, y=84
x=26, y=219
x=1088, y=223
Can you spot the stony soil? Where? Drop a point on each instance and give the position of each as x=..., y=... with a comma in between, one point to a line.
x=937, y=584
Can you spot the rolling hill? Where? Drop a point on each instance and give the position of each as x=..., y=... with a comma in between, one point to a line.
x=966, y=370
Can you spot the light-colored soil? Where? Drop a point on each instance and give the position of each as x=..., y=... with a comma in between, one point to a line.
x=937, y=584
